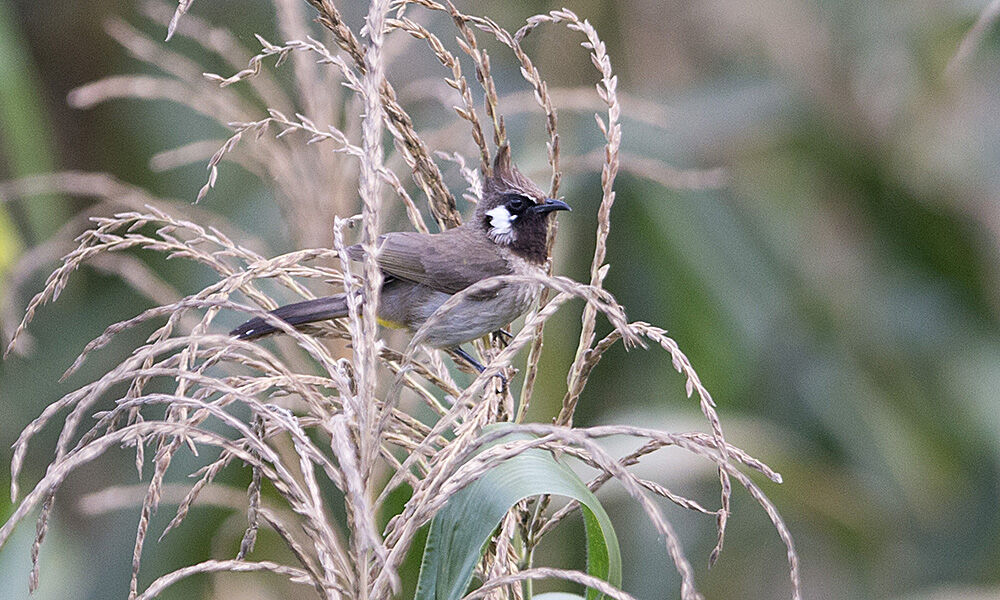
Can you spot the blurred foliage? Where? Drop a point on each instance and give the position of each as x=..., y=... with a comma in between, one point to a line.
x=26, y=144
x=838, y=297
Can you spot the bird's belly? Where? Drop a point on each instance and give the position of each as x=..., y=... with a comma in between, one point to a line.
x=474, y=318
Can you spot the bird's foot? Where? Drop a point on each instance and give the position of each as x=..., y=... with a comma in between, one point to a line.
x=480, y=368
x=503, y=335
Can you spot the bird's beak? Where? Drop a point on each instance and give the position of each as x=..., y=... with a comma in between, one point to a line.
x=549, y=205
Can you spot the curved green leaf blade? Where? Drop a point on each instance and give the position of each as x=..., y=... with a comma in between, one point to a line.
x=558, y=596
x=459, y=532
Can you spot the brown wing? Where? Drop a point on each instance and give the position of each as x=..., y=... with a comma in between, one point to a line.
x=447, y=262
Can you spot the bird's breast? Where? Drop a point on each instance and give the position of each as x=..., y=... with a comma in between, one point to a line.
x=473, y=318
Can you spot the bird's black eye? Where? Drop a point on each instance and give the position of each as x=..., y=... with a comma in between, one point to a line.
x=516, y=204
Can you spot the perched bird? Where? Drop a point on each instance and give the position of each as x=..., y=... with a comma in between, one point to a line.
x=422, y=271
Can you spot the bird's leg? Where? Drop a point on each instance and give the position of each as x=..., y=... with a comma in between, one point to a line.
x=468, y=358
x=475, y=364
x=503, y=335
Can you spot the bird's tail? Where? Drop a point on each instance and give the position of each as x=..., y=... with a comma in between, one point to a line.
x=300, y=313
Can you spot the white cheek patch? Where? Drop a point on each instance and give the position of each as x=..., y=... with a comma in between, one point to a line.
x=500, y=219
x=501, y=222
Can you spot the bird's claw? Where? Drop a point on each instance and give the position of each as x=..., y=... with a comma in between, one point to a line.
x=480, y=368
x=503, y=382
x=503, y=335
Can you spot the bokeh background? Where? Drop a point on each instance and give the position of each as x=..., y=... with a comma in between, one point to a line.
x=838, y=294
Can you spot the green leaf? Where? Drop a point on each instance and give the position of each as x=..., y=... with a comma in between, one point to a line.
x=460, y=531
x=558, y=596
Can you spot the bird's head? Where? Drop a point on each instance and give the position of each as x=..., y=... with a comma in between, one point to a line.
x=514, y=212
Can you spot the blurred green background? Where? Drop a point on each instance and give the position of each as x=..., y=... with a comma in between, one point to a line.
x=838, y=296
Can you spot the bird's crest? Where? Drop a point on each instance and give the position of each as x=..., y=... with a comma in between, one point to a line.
x=506, y=178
